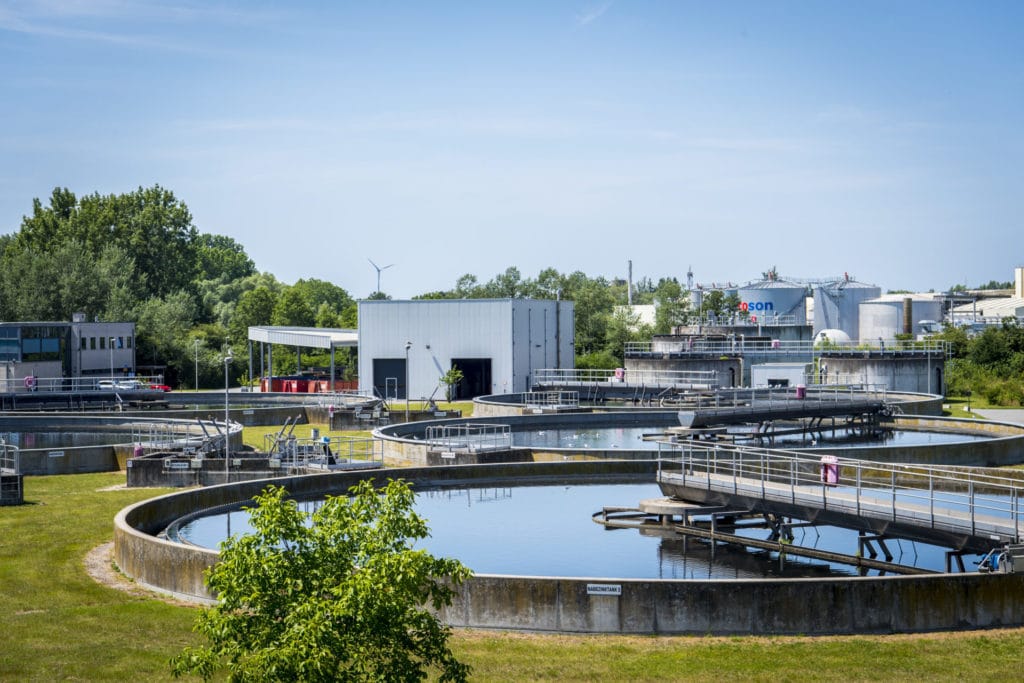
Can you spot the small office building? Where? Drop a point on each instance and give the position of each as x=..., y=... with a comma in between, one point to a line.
x=50, y=350
x=405, y=347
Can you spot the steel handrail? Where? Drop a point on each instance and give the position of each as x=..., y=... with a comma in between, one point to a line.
x=875, y=484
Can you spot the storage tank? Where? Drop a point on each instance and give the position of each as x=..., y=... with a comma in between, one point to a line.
x=883, y=318
x=775, y=301
x=837, y=305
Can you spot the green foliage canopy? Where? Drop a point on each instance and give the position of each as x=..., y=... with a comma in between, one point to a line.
x=343, y=598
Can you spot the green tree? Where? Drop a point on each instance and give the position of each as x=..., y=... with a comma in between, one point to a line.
x=344, y=598
x=255, y=308
x=593, y=304
x=624, y=326
x=163, y=334
x=222, y=258
x=672, y=306
x=450, y=380
x=292, y=309
x=51, y=285
x=150, y=225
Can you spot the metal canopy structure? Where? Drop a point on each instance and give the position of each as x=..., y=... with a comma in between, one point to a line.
x=300, y=338
x=306, y=337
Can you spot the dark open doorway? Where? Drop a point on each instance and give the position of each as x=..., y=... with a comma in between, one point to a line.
x=476, y=377
x=389, y=378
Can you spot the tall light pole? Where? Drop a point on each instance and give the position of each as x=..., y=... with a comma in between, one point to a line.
x=227, y=408
x=408, y=345
x=197, y=364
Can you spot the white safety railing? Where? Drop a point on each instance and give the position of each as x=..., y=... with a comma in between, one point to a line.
x=329, y=451
x=768, y=398
x=739, y=345
x=684, y=379
x=934, y=497
x=468, y=438
x=9, y=458
x=551, y=399
x=31, y=383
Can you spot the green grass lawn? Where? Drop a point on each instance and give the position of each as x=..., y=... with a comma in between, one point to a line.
x=958, y=406
x=58, y=624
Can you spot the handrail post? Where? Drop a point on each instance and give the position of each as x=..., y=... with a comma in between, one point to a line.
x=970, y=491
x=931, y=498
x=859, y=469
x=892, y=490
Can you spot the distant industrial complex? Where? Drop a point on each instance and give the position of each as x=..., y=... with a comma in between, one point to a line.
x=782, y=332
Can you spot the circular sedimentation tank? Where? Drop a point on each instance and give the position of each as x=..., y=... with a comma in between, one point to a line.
x=602, y=604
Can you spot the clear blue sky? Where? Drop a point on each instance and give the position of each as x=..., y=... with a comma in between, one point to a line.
x=882, y=139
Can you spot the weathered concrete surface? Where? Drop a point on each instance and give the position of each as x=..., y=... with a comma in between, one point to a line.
x=790, y=606
x=601, y=605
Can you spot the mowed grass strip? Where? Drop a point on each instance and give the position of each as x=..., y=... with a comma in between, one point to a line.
x=59, y=624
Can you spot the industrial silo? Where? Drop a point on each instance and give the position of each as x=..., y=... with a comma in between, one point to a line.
x=893, y=314
x=774, y=302
x=837, y=305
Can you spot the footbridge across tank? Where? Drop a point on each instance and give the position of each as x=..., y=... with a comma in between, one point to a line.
x=746, y=406
x=967, y=511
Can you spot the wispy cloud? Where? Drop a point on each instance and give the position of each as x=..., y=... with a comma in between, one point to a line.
x=120, y=22
x=593, y=13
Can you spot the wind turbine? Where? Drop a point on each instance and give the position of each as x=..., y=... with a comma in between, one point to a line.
x=379, y=269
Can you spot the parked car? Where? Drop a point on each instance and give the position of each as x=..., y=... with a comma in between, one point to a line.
x=160, y=387
x=106, y=385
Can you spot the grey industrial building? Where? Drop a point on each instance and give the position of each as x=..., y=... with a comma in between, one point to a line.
x=405, y=347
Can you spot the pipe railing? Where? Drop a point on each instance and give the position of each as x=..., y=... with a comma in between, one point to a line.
x=469, y=437
x=935, y=497
x=739, y=345
x=9, y=458
x=695, y=379
x=325, y=451
x=769, y=398
x=551, y=399
x=31, y=383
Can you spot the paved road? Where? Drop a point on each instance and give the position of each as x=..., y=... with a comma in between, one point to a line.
x=1002, y=414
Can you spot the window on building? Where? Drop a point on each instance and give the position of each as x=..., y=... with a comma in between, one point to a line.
x=92, y=343
x=9, y=343
x=103, y=343
x=42, y=343
x=128, y=342
x=85, y=343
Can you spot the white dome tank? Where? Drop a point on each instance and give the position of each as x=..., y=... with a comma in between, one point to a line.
x=833, y=336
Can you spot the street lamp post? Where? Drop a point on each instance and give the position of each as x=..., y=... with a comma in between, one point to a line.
x=227, y=408
x=197, y=364
x=408, y=345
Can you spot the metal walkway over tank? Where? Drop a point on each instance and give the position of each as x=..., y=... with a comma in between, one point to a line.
x=963, y=510
x=742, y=406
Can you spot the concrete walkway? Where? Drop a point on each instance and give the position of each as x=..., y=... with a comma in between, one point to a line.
x=1003, y=414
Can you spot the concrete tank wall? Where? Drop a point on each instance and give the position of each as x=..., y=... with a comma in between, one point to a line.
x=924, y=374
x=728, y=369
